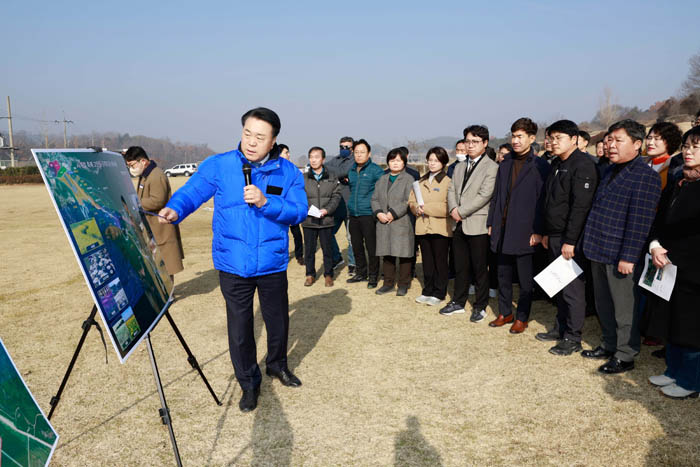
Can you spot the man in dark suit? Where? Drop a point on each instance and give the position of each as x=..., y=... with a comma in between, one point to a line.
x=569, y=195
x=515, y=222
x=616, y=231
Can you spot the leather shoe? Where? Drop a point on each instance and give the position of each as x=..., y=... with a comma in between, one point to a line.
x=309, y=281
x=615, y=365
x=501, y=320
x=518, y=327
x=599, y=353
x=249, y=399
x=329, y=281
x=300, y=261
x=285, y=376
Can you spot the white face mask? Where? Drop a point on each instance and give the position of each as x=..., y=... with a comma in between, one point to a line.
x=461, y=157
x=135, y=172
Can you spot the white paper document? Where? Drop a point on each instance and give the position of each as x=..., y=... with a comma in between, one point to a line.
x=558, y=275
x=314, y=211
x=658, y=281
x=419, y=195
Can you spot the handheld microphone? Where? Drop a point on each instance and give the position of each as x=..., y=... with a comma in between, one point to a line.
x=247, y=170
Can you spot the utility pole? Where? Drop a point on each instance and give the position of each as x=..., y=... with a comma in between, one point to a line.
x=65, y=131
x=12, y=141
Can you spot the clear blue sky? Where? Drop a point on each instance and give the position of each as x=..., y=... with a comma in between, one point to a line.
x=386, y=71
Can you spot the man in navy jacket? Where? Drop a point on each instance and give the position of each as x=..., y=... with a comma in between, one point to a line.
x=250, y=242
x=515, y=222
x=614, y=237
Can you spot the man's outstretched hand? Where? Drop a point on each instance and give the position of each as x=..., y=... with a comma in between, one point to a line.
x=167, y=216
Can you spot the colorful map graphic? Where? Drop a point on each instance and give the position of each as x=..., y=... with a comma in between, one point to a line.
x=87, y=235
x=27, y=436
x=98, y=206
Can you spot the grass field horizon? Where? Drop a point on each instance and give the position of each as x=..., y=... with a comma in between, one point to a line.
x=385, y=380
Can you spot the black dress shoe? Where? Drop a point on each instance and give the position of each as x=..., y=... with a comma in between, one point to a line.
x=285, y=376
x=249, y=399
x=356, y=278
x=598, y=353
x=401, y=291
x=550, y=336
x=371, y=285
x=615, y=365
x=384, y=289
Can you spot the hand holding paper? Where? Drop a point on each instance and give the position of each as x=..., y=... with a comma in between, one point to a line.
x=558, y=275
x=315, y=212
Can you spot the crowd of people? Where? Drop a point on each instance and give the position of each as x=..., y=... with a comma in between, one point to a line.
x=495, y=217
x=487, y=220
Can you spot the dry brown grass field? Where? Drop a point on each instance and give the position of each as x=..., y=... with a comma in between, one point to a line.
x=385, y=380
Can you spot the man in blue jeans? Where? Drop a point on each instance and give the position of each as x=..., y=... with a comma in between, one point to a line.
x=340, y=166
x=250, y=242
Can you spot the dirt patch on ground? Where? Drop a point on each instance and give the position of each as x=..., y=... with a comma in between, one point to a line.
x=385, y=380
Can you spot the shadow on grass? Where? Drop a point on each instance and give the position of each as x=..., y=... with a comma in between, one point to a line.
x=411, y=447
x=678, y=418
x=202, y=284
x=311, y=316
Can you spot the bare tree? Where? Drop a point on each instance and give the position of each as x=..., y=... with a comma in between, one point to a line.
x=691, y=85
x=609, y=110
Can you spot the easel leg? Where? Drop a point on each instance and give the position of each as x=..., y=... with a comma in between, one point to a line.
x=190, y=357
x=163, y=411
x=87, y=324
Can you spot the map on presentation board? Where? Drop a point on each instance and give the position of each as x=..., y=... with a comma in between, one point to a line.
x=26, y=435
x=112, y=241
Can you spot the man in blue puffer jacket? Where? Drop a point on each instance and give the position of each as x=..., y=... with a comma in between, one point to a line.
x=250, y=242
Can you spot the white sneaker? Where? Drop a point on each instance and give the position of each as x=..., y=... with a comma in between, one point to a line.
x=493, y=293
x=472, y=290
x=423, y=299
x=676, y=392
x=432, y=301
x=661, y=380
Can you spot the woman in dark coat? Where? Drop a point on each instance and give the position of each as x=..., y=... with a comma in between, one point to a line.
x=675, y=239
x=395, y=235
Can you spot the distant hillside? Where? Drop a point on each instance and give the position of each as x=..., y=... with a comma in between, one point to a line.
x=165, y=152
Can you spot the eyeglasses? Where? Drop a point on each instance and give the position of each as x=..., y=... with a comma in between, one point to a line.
x=473, y=141
x=342, y=146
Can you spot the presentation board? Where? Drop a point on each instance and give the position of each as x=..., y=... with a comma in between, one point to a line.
x=112, y=241
x=26, y=435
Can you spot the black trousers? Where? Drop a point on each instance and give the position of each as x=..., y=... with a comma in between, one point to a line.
x=493, y=269
x=506, y=264
x=389, y=268
x=298, y=241
x=363, y=234
x=274, y=304
x=325, y=236
x=434, y=252
x=571, y=300
x=471, y=265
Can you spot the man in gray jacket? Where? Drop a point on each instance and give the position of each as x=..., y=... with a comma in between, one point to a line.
x=468, y=198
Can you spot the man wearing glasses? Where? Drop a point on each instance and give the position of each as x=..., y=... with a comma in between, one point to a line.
x=340, y=166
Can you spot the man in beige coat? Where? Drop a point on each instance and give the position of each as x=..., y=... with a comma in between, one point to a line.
x=468, y=198
x=154, y=192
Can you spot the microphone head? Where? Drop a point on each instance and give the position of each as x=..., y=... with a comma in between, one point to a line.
x=247, y=168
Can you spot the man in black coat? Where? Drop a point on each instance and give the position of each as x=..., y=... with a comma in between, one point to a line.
x=515, y=222
x=568, y=198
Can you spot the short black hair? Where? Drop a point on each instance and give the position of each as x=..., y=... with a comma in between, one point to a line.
x=480, y=131
x=507, y=146
x=566, y=127
x=584, y=135
x=525, y=124
x=634, y=130
x=404, y=150
x=461, y=141
x=440, y=153
x=347, y=139
x=266, y=115
x=490, y=152
x=135, y=153
x=282, y=147
x=318, y=148
x=670, y=133
x=692, y=135
x=361, y=141
x=397, y=152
